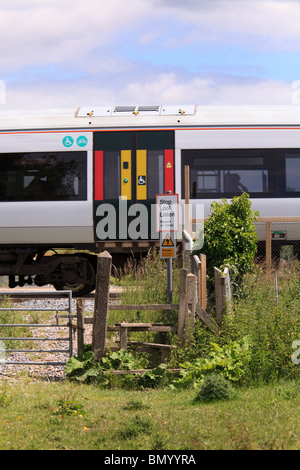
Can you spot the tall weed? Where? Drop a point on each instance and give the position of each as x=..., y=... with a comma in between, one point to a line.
x=272, y=322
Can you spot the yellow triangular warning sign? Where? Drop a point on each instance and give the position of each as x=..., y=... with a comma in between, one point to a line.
x=167, y=241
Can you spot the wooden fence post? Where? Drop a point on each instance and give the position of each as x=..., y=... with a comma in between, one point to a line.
x=80, y=325
x=101, y=304
x=182, y=305
x=191, y=299
x=222, y=292
x=123, y=337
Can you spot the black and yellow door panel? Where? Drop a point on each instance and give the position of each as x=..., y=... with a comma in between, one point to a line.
x=141, y=175
x=131, y=167
x=126, y=175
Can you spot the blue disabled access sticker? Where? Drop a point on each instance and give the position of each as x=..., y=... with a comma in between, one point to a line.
x=82, y=141
x=68, y=141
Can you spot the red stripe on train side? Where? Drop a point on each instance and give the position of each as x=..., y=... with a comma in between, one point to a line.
x=169, y=170
x=99, y=175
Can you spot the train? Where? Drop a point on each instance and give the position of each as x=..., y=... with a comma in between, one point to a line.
x=76, y=182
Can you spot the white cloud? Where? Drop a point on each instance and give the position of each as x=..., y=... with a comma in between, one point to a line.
x=168, y=89
x=165, y=88
x=76, y=52
x=264, y=24
x=44, y=31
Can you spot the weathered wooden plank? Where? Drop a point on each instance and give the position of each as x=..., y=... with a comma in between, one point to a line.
x=123, y=338
x=167, y=307
x=207, y=319
x=137, y=371
x=135, y=325
x=151, y=345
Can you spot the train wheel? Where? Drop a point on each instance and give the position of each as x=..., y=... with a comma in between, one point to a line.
x=80, y=289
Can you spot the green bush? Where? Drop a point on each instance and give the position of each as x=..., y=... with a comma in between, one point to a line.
x=230, y=361
x=215, y=387
x=230, y=239
x=85, y=369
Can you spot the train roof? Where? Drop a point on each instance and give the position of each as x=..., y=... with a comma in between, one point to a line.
x=171, y=116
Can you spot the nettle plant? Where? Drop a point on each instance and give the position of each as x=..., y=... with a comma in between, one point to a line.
x=230, y=239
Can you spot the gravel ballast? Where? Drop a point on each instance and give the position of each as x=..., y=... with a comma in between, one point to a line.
x=14, y=372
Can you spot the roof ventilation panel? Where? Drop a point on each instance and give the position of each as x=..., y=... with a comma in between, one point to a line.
x=124, y=110
x=148, y=110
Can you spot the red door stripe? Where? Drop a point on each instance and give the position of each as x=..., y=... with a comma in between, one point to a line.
x=99, y=175
x=169, y=170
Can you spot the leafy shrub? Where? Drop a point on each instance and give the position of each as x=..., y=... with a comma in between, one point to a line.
x=231, y=361
x=230, y=239
x=67, y=405
x=215, y=387
x=84, y=368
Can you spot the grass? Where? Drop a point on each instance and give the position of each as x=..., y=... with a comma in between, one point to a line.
x=263, y=413
x=272, y=322
x=56, y=416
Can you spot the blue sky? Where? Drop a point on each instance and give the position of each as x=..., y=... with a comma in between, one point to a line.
x=98, y=52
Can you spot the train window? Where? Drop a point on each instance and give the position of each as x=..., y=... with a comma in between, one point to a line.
x=292, y=173
x=228, y=172
x=43, y=176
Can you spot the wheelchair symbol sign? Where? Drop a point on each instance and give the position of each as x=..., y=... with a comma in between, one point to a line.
x=68, y=141
x=141, y=180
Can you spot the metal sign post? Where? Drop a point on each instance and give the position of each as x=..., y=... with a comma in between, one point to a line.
x=167, y=217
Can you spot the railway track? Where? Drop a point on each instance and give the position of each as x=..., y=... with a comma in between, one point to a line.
x=47, y=293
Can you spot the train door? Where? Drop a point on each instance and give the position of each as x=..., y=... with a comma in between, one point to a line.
x=131, y=167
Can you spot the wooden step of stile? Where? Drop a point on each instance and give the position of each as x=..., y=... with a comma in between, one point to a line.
x=164, y=349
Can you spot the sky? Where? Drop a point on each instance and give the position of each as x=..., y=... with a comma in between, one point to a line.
x=71, y=53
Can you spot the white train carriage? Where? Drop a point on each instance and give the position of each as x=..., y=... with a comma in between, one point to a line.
x=88, y=178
